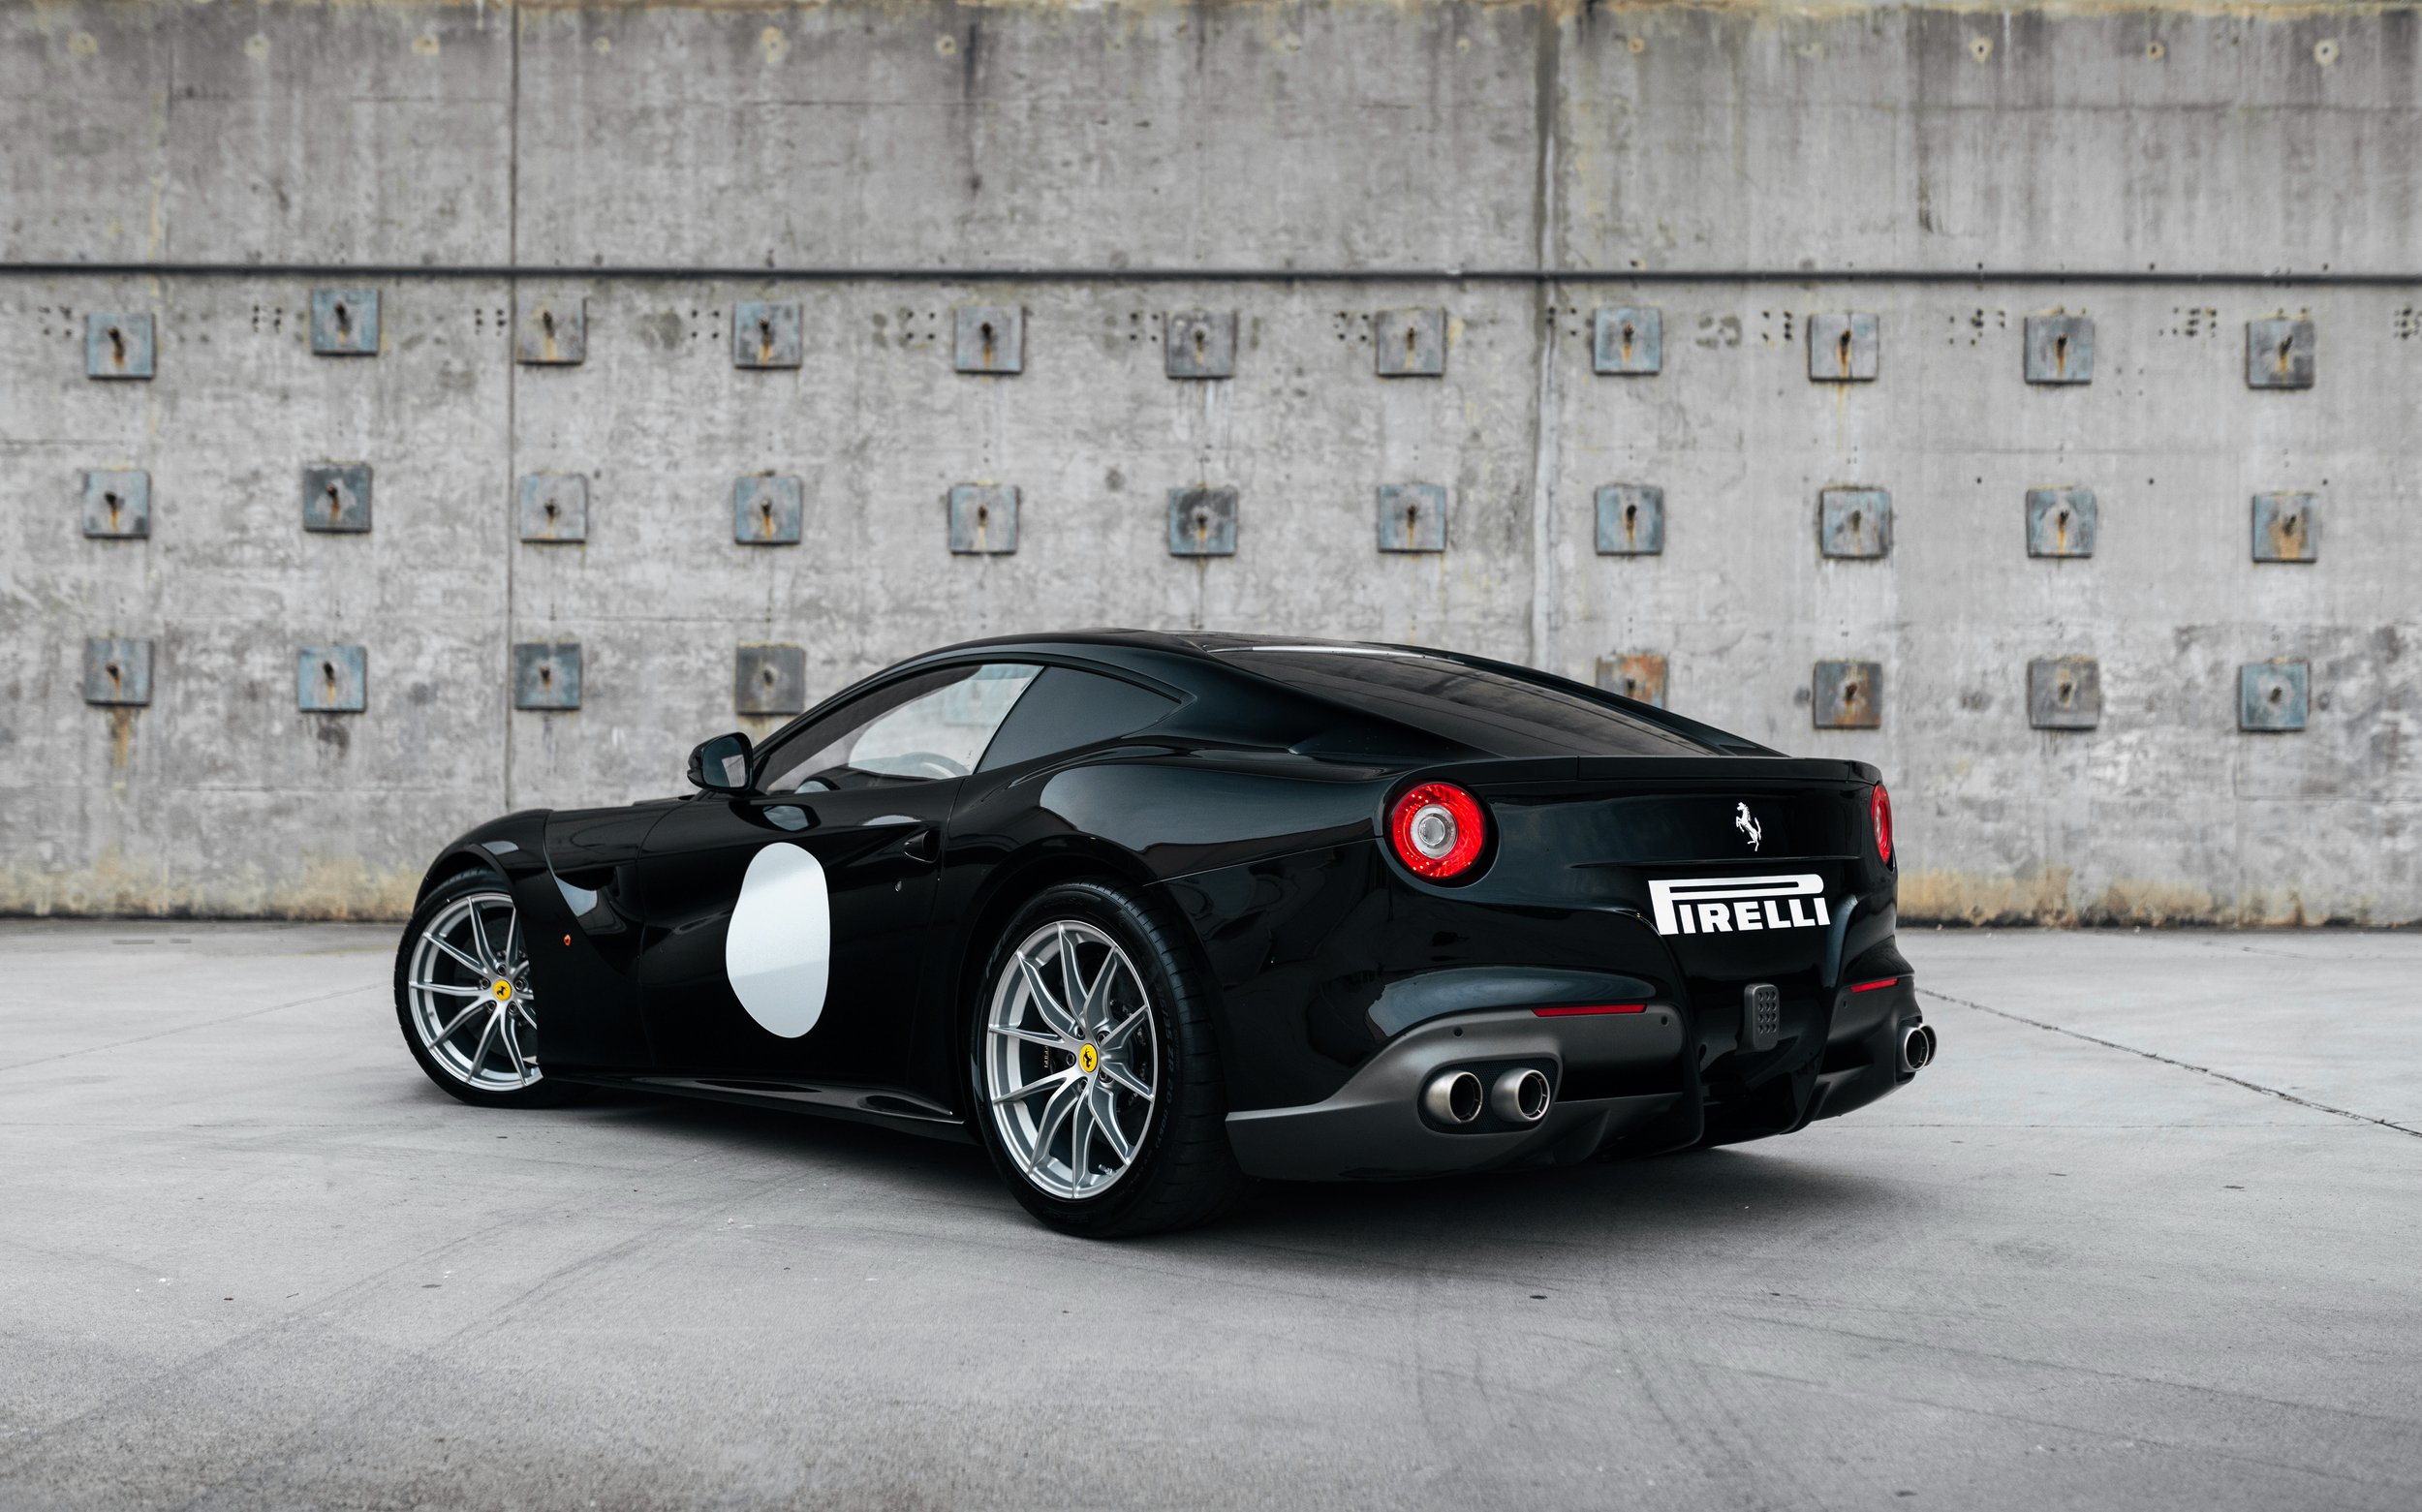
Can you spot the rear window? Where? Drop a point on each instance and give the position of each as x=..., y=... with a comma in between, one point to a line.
x=1065, y=709
x=1488, y=711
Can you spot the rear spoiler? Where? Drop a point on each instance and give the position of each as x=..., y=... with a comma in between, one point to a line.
x=1657, y=771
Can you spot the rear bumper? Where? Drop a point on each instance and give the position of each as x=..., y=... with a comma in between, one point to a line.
x=1630, y=1065
x=1621, y=1081
x=1864, y=1060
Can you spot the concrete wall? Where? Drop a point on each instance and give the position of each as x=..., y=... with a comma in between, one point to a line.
x=1739, y=169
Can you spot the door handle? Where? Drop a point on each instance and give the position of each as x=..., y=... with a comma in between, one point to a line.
x=923, y=846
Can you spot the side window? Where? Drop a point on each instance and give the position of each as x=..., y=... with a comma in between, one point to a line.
x=1065, y=709
x=928, y=727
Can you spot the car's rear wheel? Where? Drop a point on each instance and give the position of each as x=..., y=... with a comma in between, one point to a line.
x=1097, y=1081
x=463, y=996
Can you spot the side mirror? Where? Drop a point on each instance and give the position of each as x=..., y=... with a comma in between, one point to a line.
x=721, y=765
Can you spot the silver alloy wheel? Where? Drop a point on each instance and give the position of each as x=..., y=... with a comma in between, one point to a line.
x=1072, y=1060
x=471, y=1000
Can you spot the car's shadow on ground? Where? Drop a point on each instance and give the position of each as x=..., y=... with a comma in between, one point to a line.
x=870, y=1149
x=1671, y=1200
x=1668, y=1200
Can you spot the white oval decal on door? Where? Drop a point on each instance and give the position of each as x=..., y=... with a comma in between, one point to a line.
x=778, y=951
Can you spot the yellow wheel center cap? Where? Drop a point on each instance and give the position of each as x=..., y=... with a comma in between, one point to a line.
x=1088, y=1059
x=504, y=991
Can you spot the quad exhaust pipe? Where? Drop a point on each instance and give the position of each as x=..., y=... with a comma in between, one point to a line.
x=1520, y=1096
x=1453, y=1097
x=1917, y=1046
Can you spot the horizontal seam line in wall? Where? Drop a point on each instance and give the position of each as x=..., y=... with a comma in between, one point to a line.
x=1230, y=275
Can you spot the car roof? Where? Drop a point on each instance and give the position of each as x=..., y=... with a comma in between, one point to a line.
x=1204, y=661
x=1151, y=651
x=1200, y=643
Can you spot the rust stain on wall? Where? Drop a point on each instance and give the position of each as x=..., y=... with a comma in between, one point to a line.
x=2046, y=898
x=326, y=888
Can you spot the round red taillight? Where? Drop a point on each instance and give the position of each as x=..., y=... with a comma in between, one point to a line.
x=1880, y=805
x=1438, y=830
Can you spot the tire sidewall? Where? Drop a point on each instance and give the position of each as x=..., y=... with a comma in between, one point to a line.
x=1118, y=914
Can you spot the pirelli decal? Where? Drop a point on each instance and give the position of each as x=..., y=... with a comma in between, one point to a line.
x=1725, y=905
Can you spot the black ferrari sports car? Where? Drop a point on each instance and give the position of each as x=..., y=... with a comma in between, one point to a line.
x=1150, y=915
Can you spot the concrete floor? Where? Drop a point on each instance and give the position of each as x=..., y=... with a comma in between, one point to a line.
x=250, y=1259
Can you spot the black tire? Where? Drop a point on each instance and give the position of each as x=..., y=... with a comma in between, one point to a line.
x=1183, y=1171
x=445, y=1068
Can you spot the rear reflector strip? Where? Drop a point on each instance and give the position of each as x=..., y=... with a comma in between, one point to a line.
x=1882, y=981
x=1594, y=1007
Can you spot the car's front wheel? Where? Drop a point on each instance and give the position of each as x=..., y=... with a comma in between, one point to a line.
x=463, y=996
x=1097, y=1080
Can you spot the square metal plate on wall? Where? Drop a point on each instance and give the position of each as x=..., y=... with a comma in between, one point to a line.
x=551, y=509
x=547, y=675
x=767, y=511
x=1199, y=344
x=1630, y=521
x=1854, y=522
x=2273, y=695
x=1627, y=340
x=332, y=679
x=1844, y=348
x=345, y=322
x=117, y=672
x=1848, y=696
x=2063, y=693
x=551, y=330
x=769, y=679
x=1639, y=675
x=1202, y=522
x=984, y=519
x=2286, y=528
x=989, y=338
x=2060, y=522
x=336, y=498
x=2059, y=349
x=764, y=333
x=118, y=346
x=1412, y=517
x=1408, y=343
x=2279, y=354
x=117, y=505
